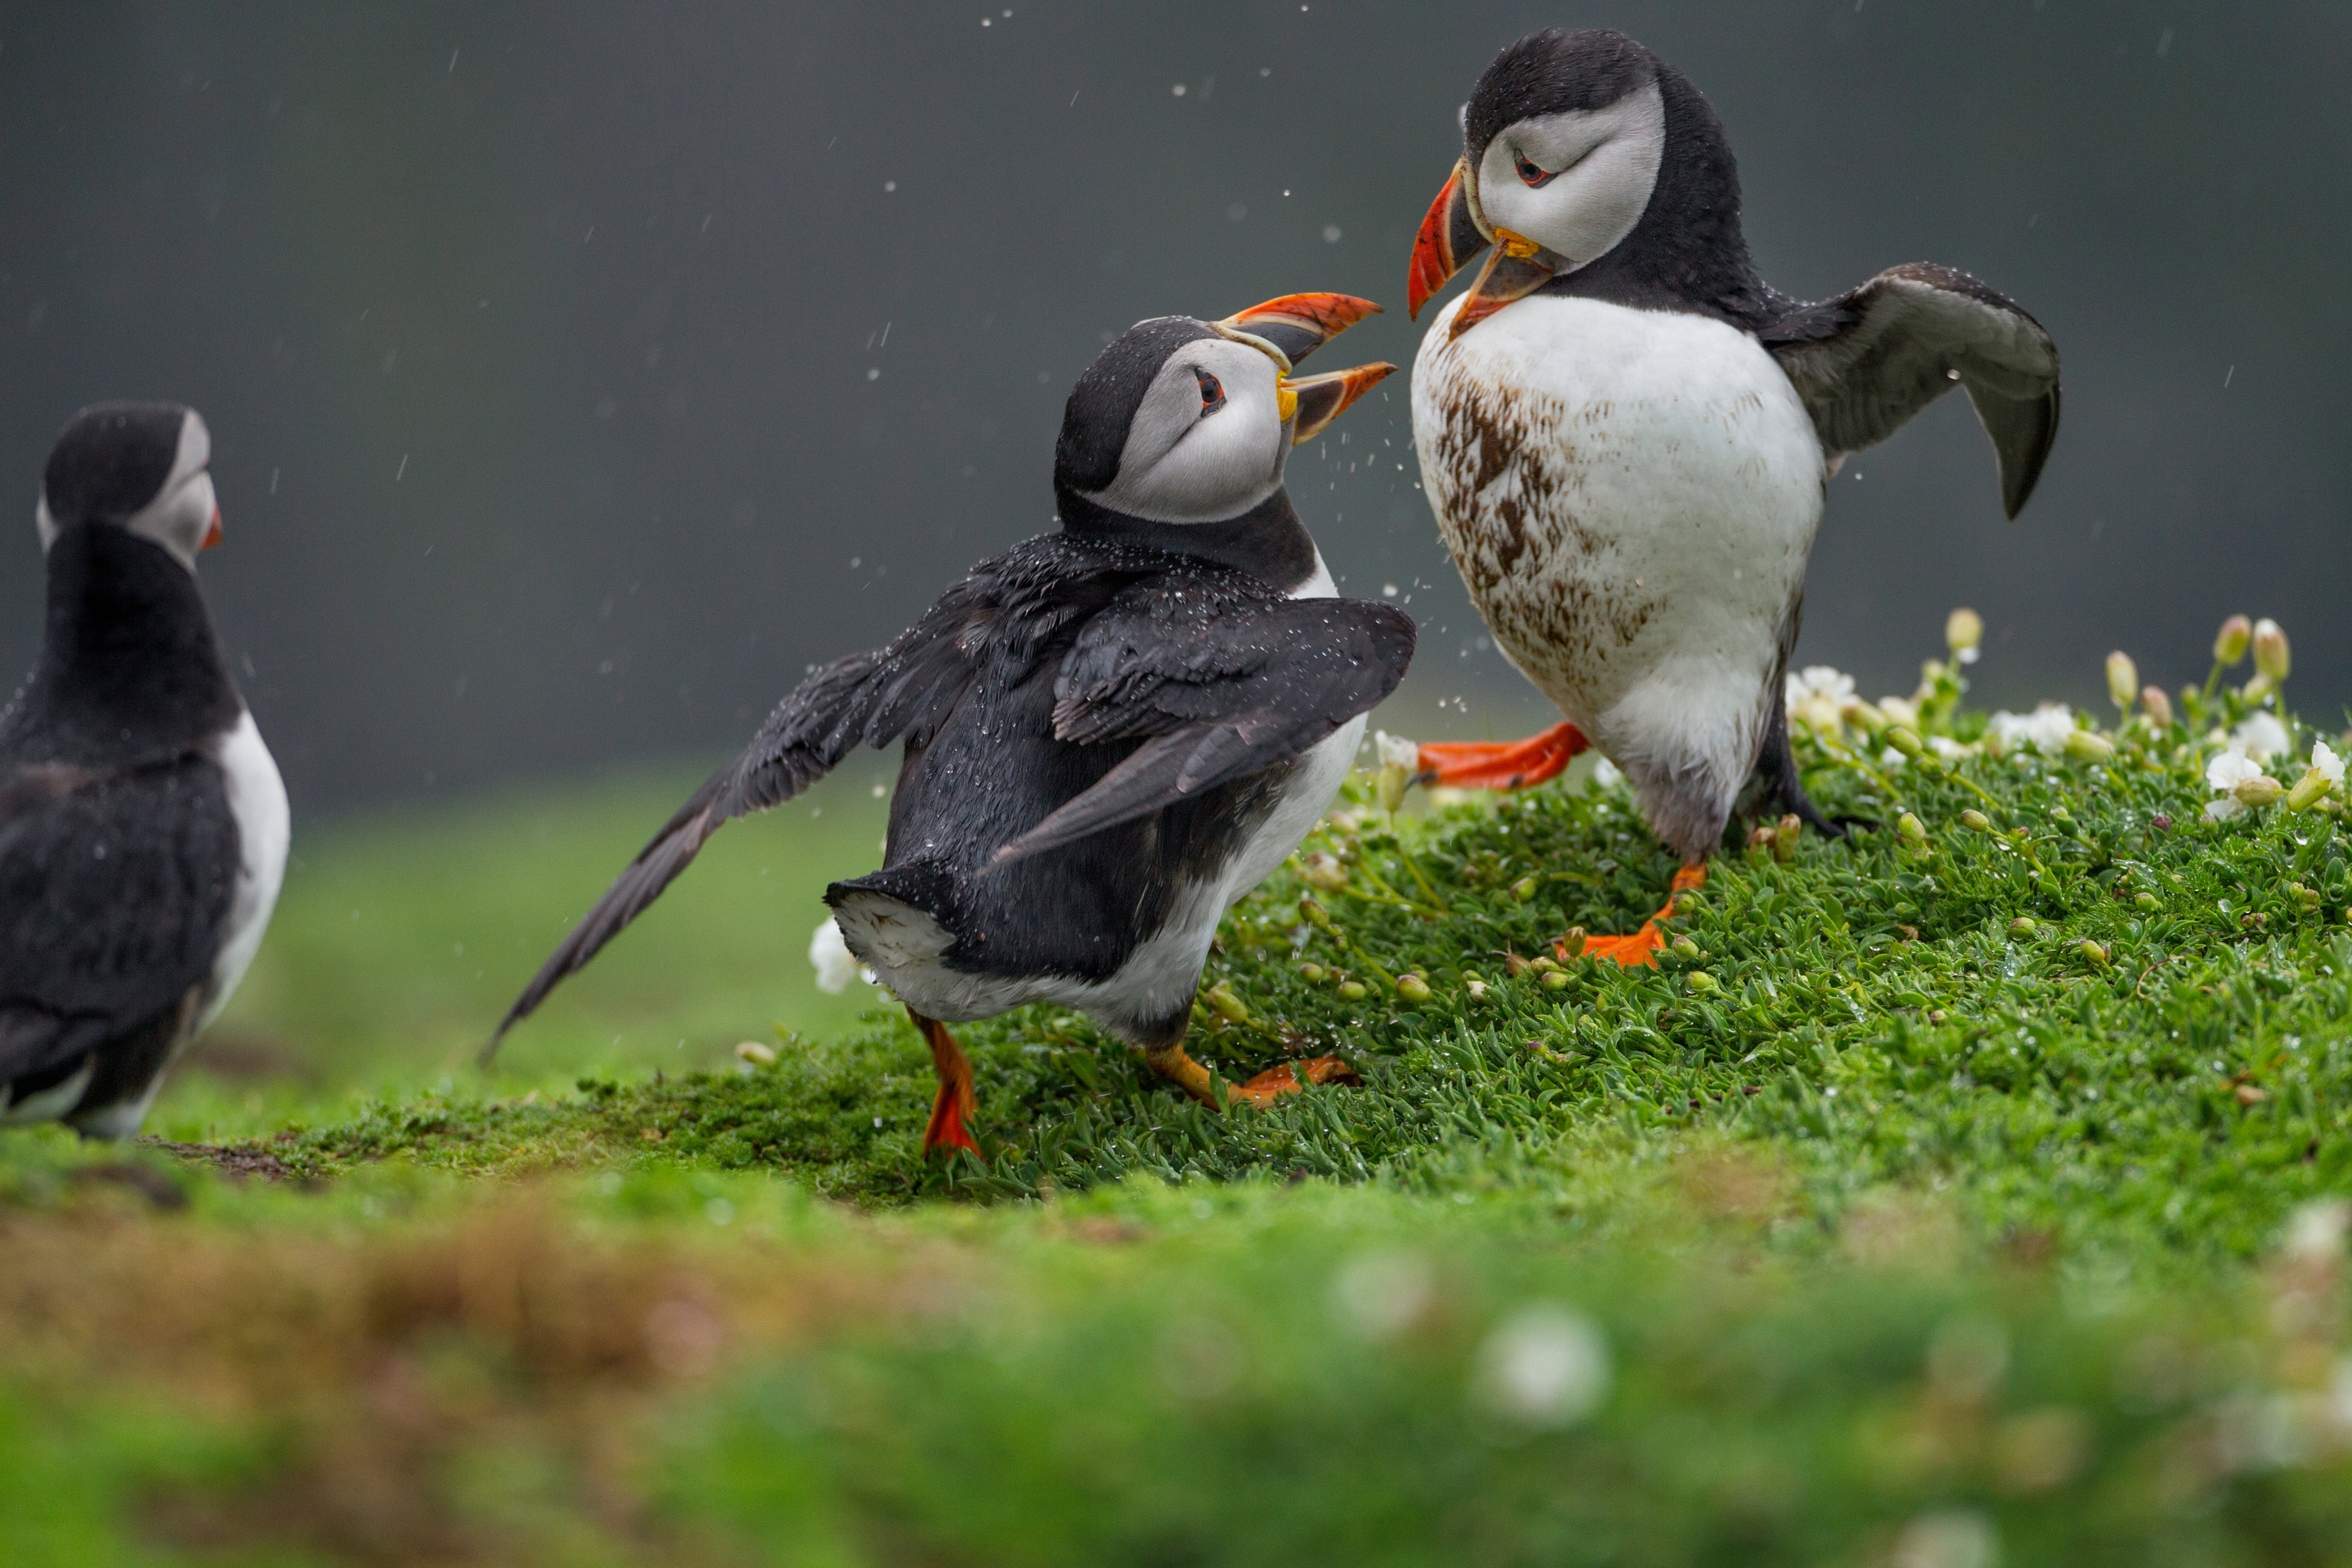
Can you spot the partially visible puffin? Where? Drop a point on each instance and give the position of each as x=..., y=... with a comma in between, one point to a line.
x=1110, y=733
x=1626, y=434
x=143, y=826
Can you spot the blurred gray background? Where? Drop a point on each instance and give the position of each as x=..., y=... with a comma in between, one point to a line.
x=580, y=373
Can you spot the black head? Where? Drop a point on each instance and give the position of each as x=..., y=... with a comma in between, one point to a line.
x=137, y=466
x=1186, y=421
x=1598, y=165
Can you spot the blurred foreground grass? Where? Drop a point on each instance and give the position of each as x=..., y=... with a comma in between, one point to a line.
x=1951, y=1197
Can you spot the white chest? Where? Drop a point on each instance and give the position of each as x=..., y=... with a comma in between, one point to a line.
x=1622, y=490
x=256, y=797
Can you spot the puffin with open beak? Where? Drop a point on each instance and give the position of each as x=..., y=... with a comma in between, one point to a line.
x=1626, y=434
x=1109, y=734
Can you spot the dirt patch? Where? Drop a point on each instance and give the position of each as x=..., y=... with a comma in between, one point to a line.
x=238, y=1162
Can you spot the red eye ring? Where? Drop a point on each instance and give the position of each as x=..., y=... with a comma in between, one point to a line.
x=1213, y=391
x=1531, y=175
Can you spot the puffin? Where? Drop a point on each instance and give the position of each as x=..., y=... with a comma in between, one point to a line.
x=1626, y=434
x=143, y=826
x=1107, y=734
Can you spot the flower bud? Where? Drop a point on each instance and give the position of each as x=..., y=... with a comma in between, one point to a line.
x=2306, y=899
x=1314, y=914
x=2156, y=706
x=1976, y=821
x=1701, y=982
x=1352, y=991
x=2089, y=746
x=2094, y=954
x=1557, y=980
x=1474, y=989
x=2269, y=649
x=1389, y=787
x=1524, y=888
x=1785, y=835
x=2307, y=790
x=1905, y=740
x=1224, y=1003
x=2123, y=679
x=1320, y=870
x=1313, y=973
x=1912, y=831
x=1515, y=966
x=1413, y=988
x=2230, y=645
x=2260, y=790
x=1685, y=947
x=2024, y=925
x=754, y=1054
x=1543, y=965
x=1759, y=840
x=2147, y=903
x=1963, y=630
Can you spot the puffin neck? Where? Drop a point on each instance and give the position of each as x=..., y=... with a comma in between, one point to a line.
x=1687, y=252
x=1268, y=541
x=130, y=663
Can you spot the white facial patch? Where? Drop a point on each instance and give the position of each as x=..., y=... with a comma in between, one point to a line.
x=182, y=512
x=1603, y=164
x=1193, y=457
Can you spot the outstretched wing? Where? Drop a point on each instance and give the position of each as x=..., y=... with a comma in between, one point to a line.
x=904, y=689
x=115, y=890
x=1003, y=611
x=1867, y=361
x=1219, y=686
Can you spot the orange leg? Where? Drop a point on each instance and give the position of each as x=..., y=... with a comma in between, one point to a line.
x=1643, y=946
x=954, y=1104
x=1502, y=764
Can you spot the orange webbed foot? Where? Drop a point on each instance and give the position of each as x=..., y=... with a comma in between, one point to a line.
x=1502, y=764
x=953, y=1105
x=1641, y=949
x=1270, y=1085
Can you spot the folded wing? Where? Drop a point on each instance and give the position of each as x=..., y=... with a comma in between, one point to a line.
x=1867, y=361
x=1218, y=687
x=115, y=887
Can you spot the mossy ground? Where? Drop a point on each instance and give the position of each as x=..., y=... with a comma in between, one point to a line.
x=1886, y=1221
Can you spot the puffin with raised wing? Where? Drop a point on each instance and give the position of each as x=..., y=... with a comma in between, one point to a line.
x=1626, y=434
x=1110, y=733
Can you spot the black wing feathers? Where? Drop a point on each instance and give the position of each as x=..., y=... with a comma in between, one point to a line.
x=1218, y=683
x=115, y=887
x=1868, y=360
x=1007, y=607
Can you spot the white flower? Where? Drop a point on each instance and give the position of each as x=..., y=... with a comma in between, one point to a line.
x=1945, y=746
x=1396, y=751
x=1381, y=1294
x=2229, y=769
x=2262, y=737
x=1605, y=774
x=2224, y=808
x=1900, y=710
x=836, y=966
x=1545, y=1367
x=1820, y=696
x=2045, y=729
x=2330, y=765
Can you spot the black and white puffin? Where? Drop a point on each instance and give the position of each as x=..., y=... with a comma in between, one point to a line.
x=143, y=826
x=1626, y=434
x=1110, y=733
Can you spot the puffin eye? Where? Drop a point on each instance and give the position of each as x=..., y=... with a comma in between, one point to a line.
x=1534, y=178
x=1212, y=391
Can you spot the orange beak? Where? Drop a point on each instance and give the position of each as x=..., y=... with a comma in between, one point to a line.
x=1321, y=399
x=1449, y=237
x=1518, y=268
x=211, y=531
x=1295, y=325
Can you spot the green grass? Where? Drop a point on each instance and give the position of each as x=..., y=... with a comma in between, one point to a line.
x=1940, y=1200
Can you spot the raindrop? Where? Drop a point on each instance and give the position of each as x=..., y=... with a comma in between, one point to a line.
x=1177, y=89
x=1330, y=230
x=874, y=372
